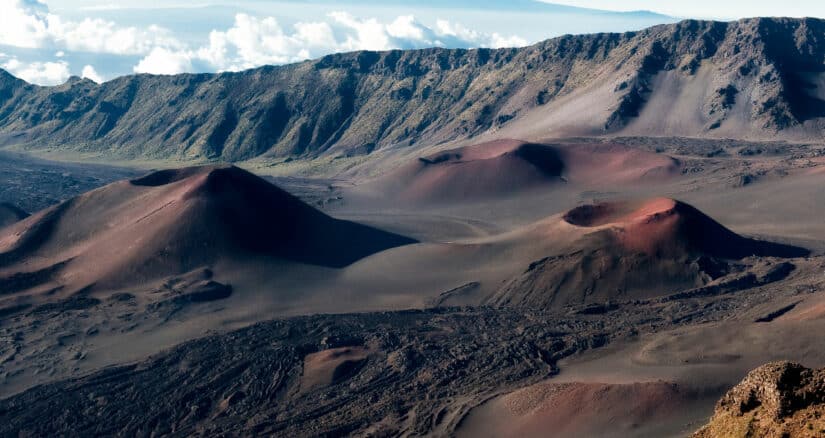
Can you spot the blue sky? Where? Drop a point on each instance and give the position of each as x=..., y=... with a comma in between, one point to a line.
x=46, y=41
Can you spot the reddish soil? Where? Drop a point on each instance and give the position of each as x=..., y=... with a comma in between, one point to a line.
x=666, y=226
x=173, y=221
x=576, y=409
x=503, y=167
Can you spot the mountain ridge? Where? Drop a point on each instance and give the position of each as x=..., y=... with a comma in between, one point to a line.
x=755, y=78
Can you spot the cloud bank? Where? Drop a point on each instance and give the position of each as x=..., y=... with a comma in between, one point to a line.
x=45, y=73
x=29, y=24
x=250, y=41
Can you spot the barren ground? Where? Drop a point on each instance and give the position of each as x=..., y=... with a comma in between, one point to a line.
x=399, y=342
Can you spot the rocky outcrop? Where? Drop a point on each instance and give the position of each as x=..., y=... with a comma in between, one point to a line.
x=780, y=399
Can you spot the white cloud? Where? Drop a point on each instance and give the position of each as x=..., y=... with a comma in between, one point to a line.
x=252, y=41
x=42, y=73
x=162, y=61
x=455, y=30
x=366, y=34
x=405, y=32
x=315, y=35
x=101, y=36
x=29, y=24
x=23, y=23
x=496, y=40
x=90, y=73
x=406, y=28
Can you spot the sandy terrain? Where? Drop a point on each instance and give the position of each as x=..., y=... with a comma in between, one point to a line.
x=583, y=409
x=674, y=300
x=507, y=168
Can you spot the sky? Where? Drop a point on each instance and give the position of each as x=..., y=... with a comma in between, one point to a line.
x=713, y=9
x=47, y=41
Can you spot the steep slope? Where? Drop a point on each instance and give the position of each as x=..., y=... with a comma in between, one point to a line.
x=755, y=78
x=633, y=251
x=10, y=214
x=780, y=399
x=504, y=167
x=169, y=223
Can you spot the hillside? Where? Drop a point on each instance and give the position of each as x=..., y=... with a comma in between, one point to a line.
x=757, y=78
x=643, y=250
x=173, y=222
x=10, y=214
x=506, y=167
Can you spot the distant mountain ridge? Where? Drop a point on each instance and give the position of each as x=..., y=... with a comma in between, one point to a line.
x=519, y=5
x=756, y=78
